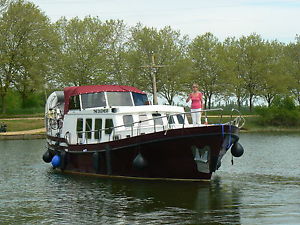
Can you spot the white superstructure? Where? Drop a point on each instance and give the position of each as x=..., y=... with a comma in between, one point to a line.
x=103, y=116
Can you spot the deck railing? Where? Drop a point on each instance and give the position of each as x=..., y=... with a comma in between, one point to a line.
x=136, y=130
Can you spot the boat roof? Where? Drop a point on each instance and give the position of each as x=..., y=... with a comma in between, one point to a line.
x=77, y=90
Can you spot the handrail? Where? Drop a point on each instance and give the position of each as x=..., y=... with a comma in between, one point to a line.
x=235, y=122
x=141, y=121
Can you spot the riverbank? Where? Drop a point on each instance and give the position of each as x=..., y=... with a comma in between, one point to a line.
x=24, y=135
x=23, y=128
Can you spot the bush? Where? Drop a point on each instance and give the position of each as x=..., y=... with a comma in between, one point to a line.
x=14, y=105
x=283, y=112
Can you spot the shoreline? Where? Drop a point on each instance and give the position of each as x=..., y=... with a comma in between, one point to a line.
x=24, y=135
x=271, y=130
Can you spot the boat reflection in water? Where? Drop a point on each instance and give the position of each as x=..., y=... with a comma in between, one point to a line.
x=121, y=201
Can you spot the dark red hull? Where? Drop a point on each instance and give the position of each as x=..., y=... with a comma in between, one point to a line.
x=165, y=155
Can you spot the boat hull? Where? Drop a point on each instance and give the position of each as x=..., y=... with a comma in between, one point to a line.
x=184, y=154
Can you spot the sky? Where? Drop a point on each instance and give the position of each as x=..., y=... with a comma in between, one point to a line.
x=272, y=19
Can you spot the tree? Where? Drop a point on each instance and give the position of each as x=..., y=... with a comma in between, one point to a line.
x=176, y=71
x=292, y=51
x=81, y=51
x=116, y=53
x=275, y=79
x=168, y=47
x=175, y=79
x=27, y=41
x=206, y=53
x=3, y=5
x=232, y=71
x=251, y=60
x=144, y=42
x=91, y=51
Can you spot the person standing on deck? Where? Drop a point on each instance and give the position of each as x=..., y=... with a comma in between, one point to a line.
x=196, y=106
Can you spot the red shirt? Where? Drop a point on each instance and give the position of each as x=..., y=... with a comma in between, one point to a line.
x=196, y=100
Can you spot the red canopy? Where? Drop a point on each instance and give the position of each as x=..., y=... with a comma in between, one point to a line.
x=77, y=90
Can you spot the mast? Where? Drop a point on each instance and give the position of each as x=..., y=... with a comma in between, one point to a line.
x=152, y=67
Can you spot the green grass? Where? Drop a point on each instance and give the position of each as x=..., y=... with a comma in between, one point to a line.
x=21, y=125
x=22, y=115
x=24, y=112
x=252, y=125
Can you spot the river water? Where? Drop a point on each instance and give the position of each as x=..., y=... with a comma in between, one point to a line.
x=262, y=187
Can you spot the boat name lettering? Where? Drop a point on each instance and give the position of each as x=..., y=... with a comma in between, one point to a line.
x=100, y=110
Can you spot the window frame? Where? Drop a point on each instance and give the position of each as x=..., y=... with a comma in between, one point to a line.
x=168, y=116
x=79, y=135
x=83, y=95
x=88, y=132
x=109, y=129
x=156, y=120
x=179, y=121
x=136, y=94
x=109, y=93
x=71, y=102
x=130, y=123
x=98, y=132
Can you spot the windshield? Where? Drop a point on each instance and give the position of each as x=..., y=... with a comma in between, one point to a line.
x=93, y=100
x=119, y=99
x=140, y=99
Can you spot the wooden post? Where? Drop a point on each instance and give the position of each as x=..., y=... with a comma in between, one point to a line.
x=152, y=67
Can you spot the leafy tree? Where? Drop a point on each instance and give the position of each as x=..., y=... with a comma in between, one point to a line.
x=292, y=51
x=27, y=41
x=168, y=47
x=143, y=43
x=116, y=52
x=232, y=71
x=175, y=79
x=91, y=50
x=82, y=50
x=205, y=52
x=251, y=60
x=175, y=74
x=3, y=5
x=275, y=79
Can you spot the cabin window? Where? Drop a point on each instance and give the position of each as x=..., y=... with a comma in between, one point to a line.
x=142, y=118
x=170, y=119
x=119, y=99
x=93, y=100
x=157, y=119
x=79, y=127
x=88, y=128
x=128, y=120
x=140, y=99
x=98, y=127
x=74, y=102
x=109, y=124
x=180, y=119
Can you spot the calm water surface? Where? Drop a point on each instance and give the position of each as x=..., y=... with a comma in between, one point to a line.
x=262, y=187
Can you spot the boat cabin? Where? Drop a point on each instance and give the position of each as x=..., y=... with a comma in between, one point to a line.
x=100, y=113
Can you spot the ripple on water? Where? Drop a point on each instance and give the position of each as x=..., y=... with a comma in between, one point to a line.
x=263, y=187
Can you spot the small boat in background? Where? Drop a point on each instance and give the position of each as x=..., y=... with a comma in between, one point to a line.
x=114, y=131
